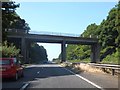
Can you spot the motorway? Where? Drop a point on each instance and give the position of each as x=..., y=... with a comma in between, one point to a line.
x=56, y=76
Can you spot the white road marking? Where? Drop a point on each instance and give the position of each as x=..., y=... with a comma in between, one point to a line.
x=85, y=79
x=38, y=72
x=24, y=86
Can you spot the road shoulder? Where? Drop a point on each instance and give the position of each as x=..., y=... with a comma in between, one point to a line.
x=104, y=80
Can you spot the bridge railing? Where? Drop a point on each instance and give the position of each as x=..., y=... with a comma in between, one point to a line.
x=16, y=31
x=113, y=68
x=20, y=31
x=61, y=34
x=107, y=66
x=53, y=33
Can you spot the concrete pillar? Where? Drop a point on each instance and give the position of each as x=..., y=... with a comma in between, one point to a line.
x=95, y=53
x=98, y=53
x=63, y=51
x=23, y=49
x=27, y=51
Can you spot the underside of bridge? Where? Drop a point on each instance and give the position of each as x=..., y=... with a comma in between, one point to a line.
x=26, y=40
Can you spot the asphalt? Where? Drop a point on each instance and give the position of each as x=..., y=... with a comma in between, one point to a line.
x=55, y=76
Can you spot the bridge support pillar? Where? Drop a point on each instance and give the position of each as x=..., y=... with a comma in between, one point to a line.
x=63, y=51
x=95, y=53
x=23, y=49
x=27, y=52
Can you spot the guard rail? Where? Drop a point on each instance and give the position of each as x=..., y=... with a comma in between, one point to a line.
x=112, y=67
x=107, y=66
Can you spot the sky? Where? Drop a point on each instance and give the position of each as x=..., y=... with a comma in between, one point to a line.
x=62, y=17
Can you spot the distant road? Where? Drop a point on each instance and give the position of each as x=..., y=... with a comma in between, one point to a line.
x=55, y=76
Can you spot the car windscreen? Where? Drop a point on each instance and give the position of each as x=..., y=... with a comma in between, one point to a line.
x=4, y=62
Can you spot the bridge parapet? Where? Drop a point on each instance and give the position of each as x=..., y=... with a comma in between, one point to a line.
x=16, y=31
x=53, y=33
x=20, y=31
x=61, y=34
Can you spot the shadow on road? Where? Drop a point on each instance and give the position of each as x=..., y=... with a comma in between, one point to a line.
x=36, y=71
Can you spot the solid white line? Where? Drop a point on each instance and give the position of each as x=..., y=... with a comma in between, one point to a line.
x=24, y=86
x=85, y=79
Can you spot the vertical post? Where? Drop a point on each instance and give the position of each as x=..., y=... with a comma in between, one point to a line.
x=23, y=49
x=92, y=54
x=63, y=51
x=95, y=53
x=27, y=51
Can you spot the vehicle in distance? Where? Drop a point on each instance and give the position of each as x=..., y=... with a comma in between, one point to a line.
x=10, y=68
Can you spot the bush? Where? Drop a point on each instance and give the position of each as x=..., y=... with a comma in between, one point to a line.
x=111, y=59
x=8, y=50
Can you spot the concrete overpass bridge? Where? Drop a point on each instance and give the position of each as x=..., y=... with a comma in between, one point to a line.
x=26, y=39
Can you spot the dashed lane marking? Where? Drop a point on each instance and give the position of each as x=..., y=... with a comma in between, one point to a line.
x=24, y=86
x=38, y=72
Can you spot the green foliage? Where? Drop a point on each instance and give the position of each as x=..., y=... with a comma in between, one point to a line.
x=37, y=53
x=111, y=59
x=87, y=60
x=77, y=52
x=11, y=20
x=8, y=50
x=70, y=52
x=91, y=30
x=108, y=33
x=117, y=23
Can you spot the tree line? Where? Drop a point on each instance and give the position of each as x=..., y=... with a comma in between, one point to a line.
x=12, y=21
x=108, y=34
x=37, y=54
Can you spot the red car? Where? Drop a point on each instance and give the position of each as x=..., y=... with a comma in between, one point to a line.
x=10, y=68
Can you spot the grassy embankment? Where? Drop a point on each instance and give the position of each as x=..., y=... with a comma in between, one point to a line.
x=108, y=60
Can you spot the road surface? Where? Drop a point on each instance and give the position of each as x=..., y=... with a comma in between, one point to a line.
x=55, y=76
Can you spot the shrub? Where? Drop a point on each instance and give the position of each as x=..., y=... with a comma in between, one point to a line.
x=8, y=50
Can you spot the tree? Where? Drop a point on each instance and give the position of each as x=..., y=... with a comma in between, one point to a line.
x=11, y=20
x=108, y=33
x=117, y=23
x=8, y=50
x=91, y=30
x=70, y=52
x=37, y=53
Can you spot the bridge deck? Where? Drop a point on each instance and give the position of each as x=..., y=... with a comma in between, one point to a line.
x=56, y=39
